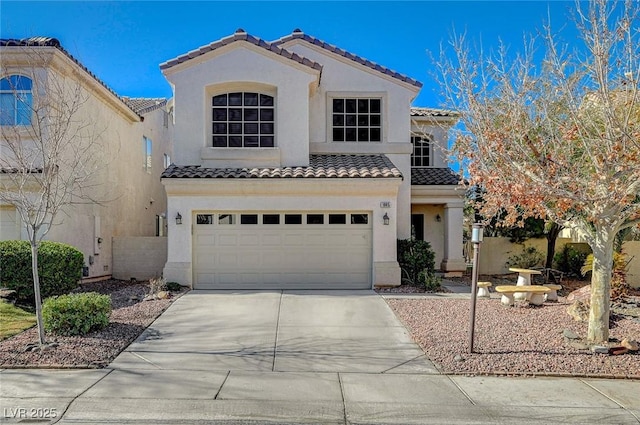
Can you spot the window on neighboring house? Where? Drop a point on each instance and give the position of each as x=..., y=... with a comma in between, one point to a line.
x=166, y=160
x=421, y=156
x=243, y=119
x=15, y=100
x=146, y=146
x=356, y=120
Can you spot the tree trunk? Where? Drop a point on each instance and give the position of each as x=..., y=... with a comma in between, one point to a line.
x=552, y=236
x=36, y=287
x=598, y=332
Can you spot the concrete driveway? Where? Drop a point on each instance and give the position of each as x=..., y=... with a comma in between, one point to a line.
x=296, y=357
x=277, y=331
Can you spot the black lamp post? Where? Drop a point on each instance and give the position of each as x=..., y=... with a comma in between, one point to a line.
x=476, y=240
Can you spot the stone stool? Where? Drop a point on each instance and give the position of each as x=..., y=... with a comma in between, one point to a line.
x=552, y=295
x=483, y=289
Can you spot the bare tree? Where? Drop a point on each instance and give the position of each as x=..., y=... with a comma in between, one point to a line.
x=557, y=137
x=50, y=157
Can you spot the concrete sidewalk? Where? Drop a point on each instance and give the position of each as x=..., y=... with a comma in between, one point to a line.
x=296, y=357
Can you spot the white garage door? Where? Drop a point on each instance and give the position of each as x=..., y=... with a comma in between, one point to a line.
x=273, y=250
x=9, y=229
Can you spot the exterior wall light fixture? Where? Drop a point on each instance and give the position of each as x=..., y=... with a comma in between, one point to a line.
x=385, y=219
x=178, y=219
x=438, y=218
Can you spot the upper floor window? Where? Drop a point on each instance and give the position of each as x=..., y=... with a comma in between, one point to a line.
x=356, y=120
x=243, y=119
x=146, y=146
x=15, y=100
x=421, y=156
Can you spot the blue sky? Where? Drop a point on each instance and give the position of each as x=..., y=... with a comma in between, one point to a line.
x=124, y=42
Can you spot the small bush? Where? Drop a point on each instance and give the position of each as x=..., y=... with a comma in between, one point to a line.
x=173, y=286
x=570, y=260
x=59, y=268
x=529, y=258
x=76, y=314
x=417, y=261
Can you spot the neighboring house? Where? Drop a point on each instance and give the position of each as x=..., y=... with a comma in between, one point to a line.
x=294, y=168
x=135, y=140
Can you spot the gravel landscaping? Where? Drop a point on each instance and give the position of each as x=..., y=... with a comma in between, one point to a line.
x=129, y=317
x=520, y=340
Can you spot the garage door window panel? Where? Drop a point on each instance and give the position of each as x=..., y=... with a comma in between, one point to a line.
x=226, y=219
x=249, y=219
x=271, y=219
x=293, y=219
x=337, y=219
x=204, y=219
x=359, y=218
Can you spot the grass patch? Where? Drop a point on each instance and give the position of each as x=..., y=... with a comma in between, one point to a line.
x=14, y=320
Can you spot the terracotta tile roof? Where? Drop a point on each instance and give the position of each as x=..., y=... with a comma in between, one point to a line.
x=297, y=34
x=241, y=35
x=431, y=112
x=144, y=105
x=54, y=42
x=320, y=166
x=433, y=176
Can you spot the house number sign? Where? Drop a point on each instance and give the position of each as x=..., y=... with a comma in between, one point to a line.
x=385, y=204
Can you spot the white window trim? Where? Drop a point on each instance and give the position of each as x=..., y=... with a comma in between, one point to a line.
x=384, y=112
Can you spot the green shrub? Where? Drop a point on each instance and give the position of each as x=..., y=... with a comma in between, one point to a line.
x=59, y=267
x=417, y=262
x=76, y=314
x=173, y=286
x=570, y=260
x=529, y=258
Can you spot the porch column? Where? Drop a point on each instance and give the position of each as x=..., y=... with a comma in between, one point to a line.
x=453, y=263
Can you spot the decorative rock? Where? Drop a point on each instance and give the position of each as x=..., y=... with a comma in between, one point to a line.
x=630, y=344
x=162, y=295
x=458, y=358
x=579, y=311
x=583, y=294
x=616, y=351
x=569, y=334
x=134, y=298
x=150, y=298
x=600, y=349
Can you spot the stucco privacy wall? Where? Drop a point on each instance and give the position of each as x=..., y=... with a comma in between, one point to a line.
x=241, y=66
x=494, y=252
x=632, y=249
x=306, y=195
x=142, y=258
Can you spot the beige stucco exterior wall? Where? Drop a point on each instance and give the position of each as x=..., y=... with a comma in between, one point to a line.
x=433, y=230
x=189, y=196
x=129, y=196
x=239, y=67
x=140, y=257
x=342, y=77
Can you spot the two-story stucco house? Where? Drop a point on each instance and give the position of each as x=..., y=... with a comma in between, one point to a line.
x=132, y=135
x=299, y=165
